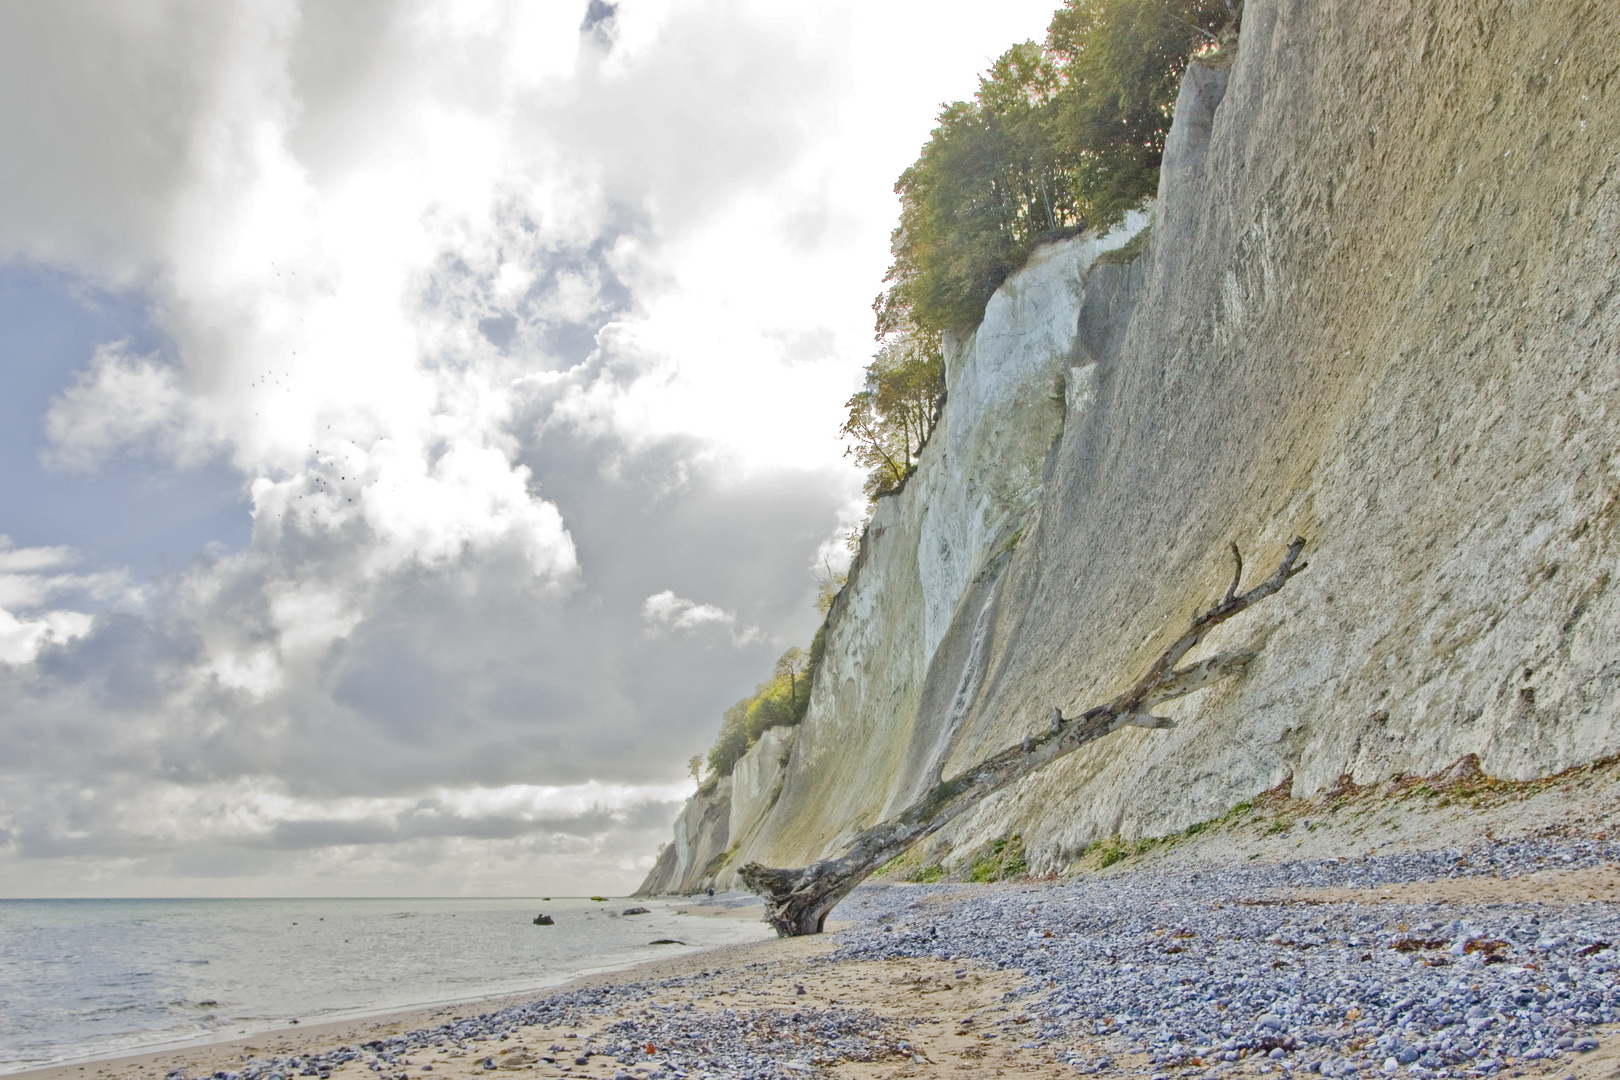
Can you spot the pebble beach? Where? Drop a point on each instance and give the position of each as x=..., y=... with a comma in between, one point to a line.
x=1378, y=966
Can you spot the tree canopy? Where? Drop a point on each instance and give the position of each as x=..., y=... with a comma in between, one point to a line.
x=780, y=701
x=1062, y=135
x=891, y=417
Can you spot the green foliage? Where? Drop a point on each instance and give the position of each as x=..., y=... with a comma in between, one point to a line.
x=1113, y=849
x=912, y=866
x=818, y=647
x=1110, y=851
x=891, y=418
x=1124, y=60
x=780, y=701
x=1061, y=135
x=998, y=860
x=829, y=583
x=732, y=742
x=721, y=861
x=1131, y=249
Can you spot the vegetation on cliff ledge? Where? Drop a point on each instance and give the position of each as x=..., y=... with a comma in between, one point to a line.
x=779, y=701
x=1063, y=135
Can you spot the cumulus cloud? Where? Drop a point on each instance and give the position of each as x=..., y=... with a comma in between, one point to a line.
x=667, y=612
x=30, y=580
x=508, y=316
x=122, y=402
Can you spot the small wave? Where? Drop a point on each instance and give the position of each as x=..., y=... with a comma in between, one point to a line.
x=106, y=1011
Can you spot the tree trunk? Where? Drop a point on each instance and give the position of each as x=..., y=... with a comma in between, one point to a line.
x=797, y=900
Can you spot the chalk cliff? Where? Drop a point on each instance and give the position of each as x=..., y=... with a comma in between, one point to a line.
x=1375, y=308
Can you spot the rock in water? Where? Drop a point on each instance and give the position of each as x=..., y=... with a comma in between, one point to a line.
x=543, y=919
x=636, y=911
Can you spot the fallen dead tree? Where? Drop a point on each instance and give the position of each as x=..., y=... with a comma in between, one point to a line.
x=797, y=900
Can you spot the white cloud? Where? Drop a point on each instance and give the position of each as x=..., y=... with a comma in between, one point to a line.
x=667, y=612
x=30, y=578
x=125, y=401
x=21, y=639
x=573, y=837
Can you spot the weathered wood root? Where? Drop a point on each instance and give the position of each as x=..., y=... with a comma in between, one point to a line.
x=798, y=899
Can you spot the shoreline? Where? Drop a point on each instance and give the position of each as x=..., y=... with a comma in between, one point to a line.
x=353, y=1022
x=312, y=1037
x=1491, y=951
x=922, y=981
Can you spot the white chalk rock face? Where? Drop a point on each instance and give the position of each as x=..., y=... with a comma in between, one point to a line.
x=872, y=734
x=701, y=835
x=1356, y=319
x=1005, y=393
x=756, y=781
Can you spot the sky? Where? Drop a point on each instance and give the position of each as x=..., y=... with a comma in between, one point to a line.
x=419, y=418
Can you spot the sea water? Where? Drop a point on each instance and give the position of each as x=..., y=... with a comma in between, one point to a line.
x=93, y=978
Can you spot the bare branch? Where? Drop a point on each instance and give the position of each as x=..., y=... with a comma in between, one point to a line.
x=1237, y=575
x=1184, y=681
x=1188, y=23
x=1131, y=700
x=1141, y=720
x=797, y=900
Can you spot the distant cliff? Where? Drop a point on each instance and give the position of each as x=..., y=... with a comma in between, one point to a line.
x=1375, y=307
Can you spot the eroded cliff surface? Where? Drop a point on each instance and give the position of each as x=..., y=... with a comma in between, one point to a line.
x=1376, y=310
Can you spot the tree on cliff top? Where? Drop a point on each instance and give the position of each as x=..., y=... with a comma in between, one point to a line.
x=1061, y=136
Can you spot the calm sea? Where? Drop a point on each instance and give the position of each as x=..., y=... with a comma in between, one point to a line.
x=90, y=978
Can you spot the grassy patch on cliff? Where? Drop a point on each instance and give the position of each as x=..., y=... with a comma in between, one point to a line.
x=998, y=860
x=1001, y=859
x=912, y=866
x=1126, y=252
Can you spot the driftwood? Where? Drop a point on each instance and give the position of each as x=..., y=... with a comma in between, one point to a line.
x=797, y=900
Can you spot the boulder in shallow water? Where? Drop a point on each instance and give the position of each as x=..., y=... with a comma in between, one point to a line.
x=543, y=919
